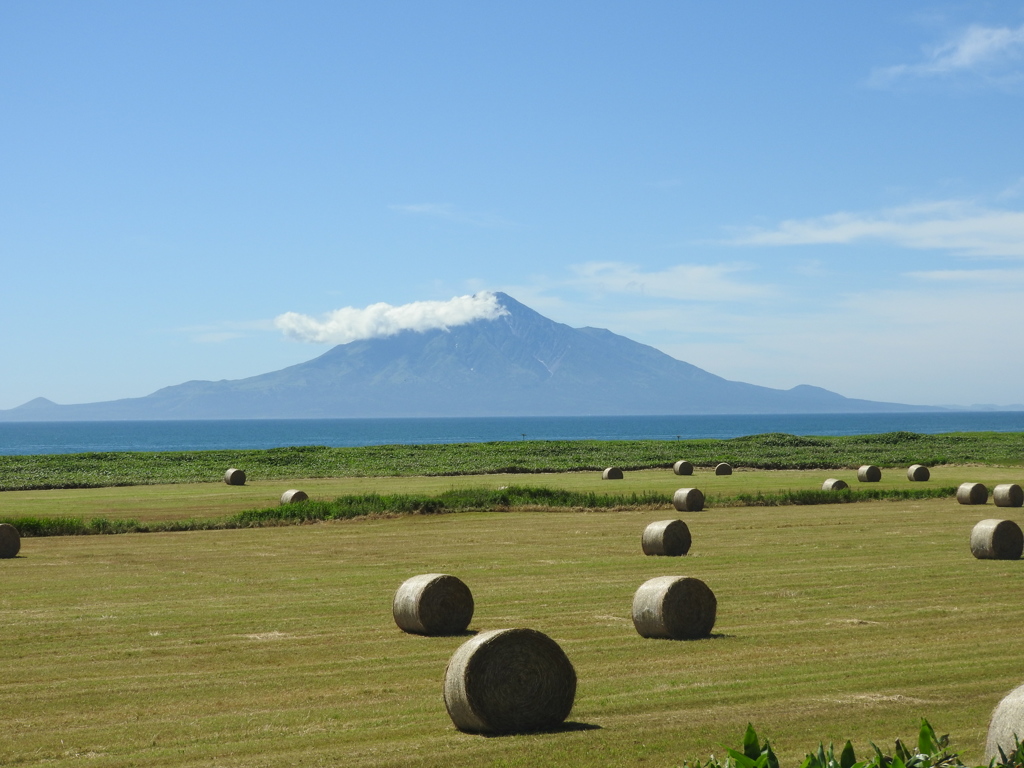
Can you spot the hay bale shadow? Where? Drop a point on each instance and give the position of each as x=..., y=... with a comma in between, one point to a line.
x=569, y=726
x=712, y=636
x=463, y=633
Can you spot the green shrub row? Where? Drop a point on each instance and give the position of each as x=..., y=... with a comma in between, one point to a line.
x=456, y=500
x=845, y=496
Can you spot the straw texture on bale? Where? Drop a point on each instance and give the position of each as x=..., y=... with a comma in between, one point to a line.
x=832, y=484
x=509, y=681
x=688, y=500
x=10, y=540
x=723, y=469
x=1007, y=722
x=293, y=495
x=869, y=474
x=674, y=607
x=666, y=537
x=1008, y=495
x=972, y=493
x=234, y=477
x=683, y=468
x=612, y=473
x=433, y=604
x=918, y=472
x=997, y=540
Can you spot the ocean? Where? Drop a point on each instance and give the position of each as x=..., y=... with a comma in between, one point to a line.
x=23, y=438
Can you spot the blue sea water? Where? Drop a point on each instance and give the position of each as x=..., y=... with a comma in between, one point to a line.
x=22, y=438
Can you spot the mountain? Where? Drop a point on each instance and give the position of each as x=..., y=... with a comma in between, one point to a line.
x=518, y=364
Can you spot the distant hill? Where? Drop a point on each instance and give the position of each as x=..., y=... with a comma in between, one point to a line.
x=516, y=365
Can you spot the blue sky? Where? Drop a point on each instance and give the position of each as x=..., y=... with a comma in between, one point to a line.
x=785, y=193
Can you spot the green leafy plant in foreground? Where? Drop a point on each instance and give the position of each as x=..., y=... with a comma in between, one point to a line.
x=754, y=755
x=932, y=752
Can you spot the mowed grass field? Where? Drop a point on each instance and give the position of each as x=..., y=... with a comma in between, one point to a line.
x=211, y=500
x=276, y=646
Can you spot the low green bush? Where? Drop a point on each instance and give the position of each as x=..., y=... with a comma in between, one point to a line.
x=931, y=752
x=846, y=496
x=455, y=500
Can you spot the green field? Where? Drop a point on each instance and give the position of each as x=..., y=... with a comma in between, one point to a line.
x=275, y=646
x=769, y=451
x=203, y=501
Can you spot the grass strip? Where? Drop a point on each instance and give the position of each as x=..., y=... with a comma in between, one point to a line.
x=767, y=451
x=457, y=500
x=846, y=496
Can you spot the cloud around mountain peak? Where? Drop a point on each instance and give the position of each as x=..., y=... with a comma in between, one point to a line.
x=347, y=324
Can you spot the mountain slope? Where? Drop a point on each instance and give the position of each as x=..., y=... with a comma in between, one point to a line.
x=518, y=364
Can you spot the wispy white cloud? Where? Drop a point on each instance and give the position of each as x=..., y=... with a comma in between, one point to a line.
x=437, y=210
x=997, y=279
x=812, y=268
x=1013, y=191
x=690, y=282
x=452, y=213
x=908, y=333
x=216, y=337
x=804, y=326
x=226, y=331
x=350, y=324
x=994, y=52
x=952, y=225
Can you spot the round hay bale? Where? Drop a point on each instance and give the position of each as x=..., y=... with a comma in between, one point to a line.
x=869, y=473
x=288, y=497
x=612, y=473
x=682, y=468
x=666, y=537
x=918, y=472
x=509, y=681
x=832, y=484
x=675, y=607
x=433, y=604
x=1008, y=495
x=972, y=493
x=997, y=540
x=1006, y=726
x=10, y=540
x=688, y=500
x=234, y=477
x=723, y=469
